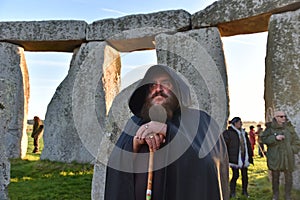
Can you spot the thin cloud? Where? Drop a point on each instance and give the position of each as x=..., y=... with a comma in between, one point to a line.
x=114, y=11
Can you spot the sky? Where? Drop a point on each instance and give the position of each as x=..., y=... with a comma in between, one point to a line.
x=244, y=54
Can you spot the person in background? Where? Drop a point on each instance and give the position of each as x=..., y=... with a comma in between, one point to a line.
x=190, y=156
x=37, y=132
x=260, y=145
x=240, y=154
x=252, y=137
x=283, y=143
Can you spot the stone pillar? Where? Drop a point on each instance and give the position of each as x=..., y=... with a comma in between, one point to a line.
x=77, y=111
x=5, y=117
x=14, y=77
x=282, y=80
x=117, y=117
x=198, y=56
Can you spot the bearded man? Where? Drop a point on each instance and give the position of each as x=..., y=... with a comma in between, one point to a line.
x=190, y=156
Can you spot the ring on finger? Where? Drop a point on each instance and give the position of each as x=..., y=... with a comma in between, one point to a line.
x=146, y=126
x=151, y=136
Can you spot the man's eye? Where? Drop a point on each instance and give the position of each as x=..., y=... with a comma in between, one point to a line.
x=166, y=84
x=152, y=85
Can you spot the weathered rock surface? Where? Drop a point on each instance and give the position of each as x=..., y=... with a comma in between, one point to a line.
x=15, y=85
x=115, y=123
x=282, y=79
x=53, y=35
x=198, y=56
x=78, y=108
x=136, y=32
x=234, y=17
x=5, y=117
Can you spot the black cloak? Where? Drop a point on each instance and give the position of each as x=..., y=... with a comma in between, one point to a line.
x=191, y=165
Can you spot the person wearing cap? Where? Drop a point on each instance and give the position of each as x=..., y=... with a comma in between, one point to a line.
x=283, y=143
x=240, y=154
x=190, y=156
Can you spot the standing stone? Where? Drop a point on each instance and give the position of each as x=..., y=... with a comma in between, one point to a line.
x=76, y=113
x=5, y=117
x=198, y=56
x=15, y=83
x=282, y=81
x=117, y=118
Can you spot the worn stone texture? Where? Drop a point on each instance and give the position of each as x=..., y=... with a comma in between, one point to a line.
x=198, y=56
x=14, y=77
x=52, y=35
x=117, y=118
x=136, y=32
x=5, y=117
x=282, y=79
x=76, y=113
x=234, y=17
x=98, y=183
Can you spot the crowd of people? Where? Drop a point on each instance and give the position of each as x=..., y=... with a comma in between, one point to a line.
x=282, y=144
x=170, y=151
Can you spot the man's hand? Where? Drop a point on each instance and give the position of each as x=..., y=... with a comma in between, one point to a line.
x=280, y=137
x=152, y=133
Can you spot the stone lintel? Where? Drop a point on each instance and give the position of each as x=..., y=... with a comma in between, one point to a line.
x=137, y=32
x=233, y=18
x=136, y=44
x=52, y=35
x=250, y=25
x=58, y=46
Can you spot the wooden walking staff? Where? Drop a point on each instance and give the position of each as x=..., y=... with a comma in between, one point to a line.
x=150, y=175
x=159, y=114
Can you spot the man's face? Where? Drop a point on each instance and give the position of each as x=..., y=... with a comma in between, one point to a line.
x=280, y=117
x=160, y=93
x=238, y=124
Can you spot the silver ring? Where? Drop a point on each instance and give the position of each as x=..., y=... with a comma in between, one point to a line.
x=146, y=126
x=151, y=136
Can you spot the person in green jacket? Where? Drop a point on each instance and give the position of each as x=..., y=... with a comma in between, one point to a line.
x=283, y=143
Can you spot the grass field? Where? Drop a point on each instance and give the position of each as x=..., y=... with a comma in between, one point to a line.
x=35, y=179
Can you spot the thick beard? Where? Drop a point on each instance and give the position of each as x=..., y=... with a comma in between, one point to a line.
x=171, y=105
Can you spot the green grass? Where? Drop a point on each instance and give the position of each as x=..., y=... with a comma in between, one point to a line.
x=259, y=186
x=35, y=179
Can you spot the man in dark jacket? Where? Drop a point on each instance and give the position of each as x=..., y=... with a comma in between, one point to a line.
x=283, y=143
x=37, y=132
x=240, y=154
x=190, y=158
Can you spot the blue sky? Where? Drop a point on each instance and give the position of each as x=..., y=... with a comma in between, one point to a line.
x=245, y=54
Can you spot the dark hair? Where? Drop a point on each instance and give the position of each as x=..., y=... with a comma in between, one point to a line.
x=251, y=127
x=235, y=120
